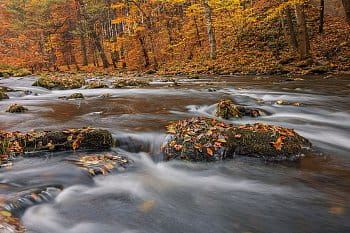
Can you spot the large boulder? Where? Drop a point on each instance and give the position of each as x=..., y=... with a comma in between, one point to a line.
x=206, y=139
x=130, y=82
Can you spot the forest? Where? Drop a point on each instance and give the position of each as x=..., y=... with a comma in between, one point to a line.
x=206, y=36
x=170, y=116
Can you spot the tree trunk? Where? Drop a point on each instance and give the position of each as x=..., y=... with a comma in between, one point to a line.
x=320, y=29
x=98, y=45
x=346, y=5
x=83, y=50
x=304, y=42
x=291, y=29
x=144, y=50
x=210, y=29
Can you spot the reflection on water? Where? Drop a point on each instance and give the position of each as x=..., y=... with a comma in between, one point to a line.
x=241, y=195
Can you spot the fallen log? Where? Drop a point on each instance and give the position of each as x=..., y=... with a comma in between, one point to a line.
x=206, y=139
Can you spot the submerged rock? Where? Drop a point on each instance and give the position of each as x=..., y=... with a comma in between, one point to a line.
x=16, y=108
x=96, y=85
x=206, y=139
x=17, y=143
x=60, y=82
x=75, y=96
x=101, y=164
x=19, y=202
x=130, y=82
x=226, y=109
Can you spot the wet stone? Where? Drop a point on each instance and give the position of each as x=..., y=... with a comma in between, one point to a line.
x=226, y=109
x=130, y=82
x=16, y=108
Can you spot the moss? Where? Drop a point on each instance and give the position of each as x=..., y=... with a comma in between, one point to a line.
x=95, y=85
x=3, y=95
x=76, y=96
x=60, y=82
x=16, y=108
x=130, y=82
x=206, y=139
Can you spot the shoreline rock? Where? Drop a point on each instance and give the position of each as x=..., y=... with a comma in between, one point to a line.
x=206, y=139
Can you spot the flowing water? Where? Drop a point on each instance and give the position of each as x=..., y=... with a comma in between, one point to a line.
x=239, y=195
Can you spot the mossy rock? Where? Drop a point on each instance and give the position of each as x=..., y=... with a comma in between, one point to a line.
x=96, y=85
x=206, y=139
x=226, y=109
x=17, y=143
x=9, y=223
x=76, y=96
x=63, y=82
x=8, y=71
x=16, y=108
x=3, y=95
x=130, y=82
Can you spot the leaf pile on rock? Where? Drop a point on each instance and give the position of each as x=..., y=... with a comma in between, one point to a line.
x=60, y=82
x=96, y=85
x=130, y=82
x=16, y=108
x=206, y=139
x=101, y=164
x=16, y=143
x=9, y=223
x=226, y=109
x=283, y=102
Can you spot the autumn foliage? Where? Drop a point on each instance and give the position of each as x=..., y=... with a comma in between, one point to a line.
x=171, y=36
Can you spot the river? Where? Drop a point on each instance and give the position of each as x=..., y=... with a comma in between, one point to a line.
x=240, y=195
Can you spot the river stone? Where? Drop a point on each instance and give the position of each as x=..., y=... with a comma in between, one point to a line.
x=206, y=139
x=226, y=109
x=3, y=95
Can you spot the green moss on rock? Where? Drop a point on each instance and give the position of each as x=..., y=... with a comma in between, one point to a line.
x=206, y=139
x=76, y=96
x=16, y=108
x=60, y=82
x=130, y=82
x=96, y=85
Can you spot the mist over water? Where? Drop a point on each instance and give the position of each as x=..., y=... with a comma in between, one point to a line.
x=239, y=195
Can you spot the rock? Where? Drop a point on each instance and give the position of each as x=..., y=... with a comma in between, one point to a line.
x=11, y=71
x=16, y=108
x=130, y=82
x=16, y=143
x=226, y=109
x=101, y=164
x=206, y=139
x=75, y=96
x=96, y=85
x=150, y=71
x=3, y=95
x=18, y=203
x=60, y=82
x=107, y=95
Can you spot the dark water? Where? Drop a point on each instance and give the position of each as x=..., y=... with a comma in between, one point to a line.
x=241, y=195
